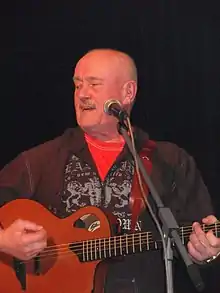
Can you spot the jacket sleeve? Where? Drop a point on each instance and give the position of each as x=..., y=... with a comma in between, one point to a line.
x=191, y=189
x=183, y=188
x=15, y=180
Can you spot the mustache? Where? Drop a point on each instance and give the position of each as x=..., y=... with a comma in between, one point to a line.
x=87, y=103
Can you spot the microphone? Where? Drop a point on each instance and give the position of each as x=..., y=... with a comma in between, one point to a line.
x=114, y=108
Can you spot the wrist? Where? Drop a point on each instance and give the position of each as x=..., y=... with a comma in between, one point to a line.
x=198, y=262
x=206, y=261
x=209, y=260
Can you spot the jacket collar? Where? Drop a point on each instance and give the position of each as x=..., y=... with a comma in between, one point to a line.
x=73, y=141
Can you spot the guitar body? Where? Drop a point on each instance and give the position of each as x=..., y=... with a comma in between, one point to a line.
x=61, y=271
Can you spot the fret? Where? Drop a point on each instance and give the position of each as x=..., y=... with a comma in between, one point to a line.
x=100, y=248
x=109, y=247
x=155, y=244
x=126, y=238
x=91, y=255
x=87, y=250
x=133, y=245
x=140, y=242
x=115, y=247
x=83, y=250
x=182, y=236
x=95, y=250
x=104, y=248
x=121, y=252
x=148, y=241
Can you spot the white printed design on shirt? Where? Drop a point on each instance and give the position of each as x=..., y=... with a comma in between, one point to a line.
x=82, y=187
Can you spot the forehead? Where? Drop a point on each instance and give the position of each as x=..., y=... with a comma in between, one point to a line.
x=96, y=65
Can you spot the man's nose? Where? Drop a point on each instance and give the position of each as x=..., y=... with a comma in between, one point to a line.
x=84, y=99
x=84, y=91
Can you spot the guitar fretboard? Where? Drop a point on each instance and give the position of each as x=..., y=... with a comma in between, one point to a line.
x=103, y=248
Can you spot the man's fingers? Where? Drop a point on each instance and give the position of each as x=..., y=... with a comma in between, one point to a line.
x=27, y=225
x=213, y=241
x=198, y=237
x=29, y=238
x=209, y=220
x=194, y=252
x=202, y=245
x=35, y=247
x=198, y=243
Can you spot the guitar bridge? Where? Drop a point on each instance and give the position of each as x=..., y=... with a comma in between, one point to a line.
x=20, y=271
x=37, y=265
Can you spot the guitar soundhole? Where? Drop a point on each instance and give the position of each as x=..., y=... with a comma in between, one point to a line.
x=88, y=222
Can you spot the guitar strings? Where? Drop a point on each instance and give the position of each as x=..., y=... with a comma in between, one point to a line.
x=186, y=232
x=90, y=247
x=66, y=251
x=100, y=253
x=120, y=240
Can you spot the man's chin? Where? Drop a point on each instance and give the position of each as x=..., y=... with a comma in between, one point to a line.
x=99, y=130
x=89, y=128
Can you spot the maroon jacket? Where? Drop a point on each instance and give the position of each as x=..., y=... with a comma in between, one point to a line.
x=38, y=174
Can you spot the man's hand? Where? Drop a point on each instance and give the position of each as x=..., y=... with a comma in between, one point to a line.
x=23, y=239
x=201, y=245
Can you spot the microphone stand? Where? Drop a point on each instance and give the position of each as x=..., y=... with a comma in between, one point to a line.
x=170, y=227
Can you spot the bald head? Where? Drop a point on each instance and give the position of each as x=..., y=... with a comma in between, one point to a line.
x=124, y=64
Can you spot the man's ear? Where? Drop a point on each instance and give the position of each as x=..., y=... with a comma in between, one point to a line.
x=129, y=92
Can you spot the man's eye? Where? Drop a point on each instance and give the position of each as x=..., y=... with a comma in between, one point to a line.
x=94, y=84
x=77, y=86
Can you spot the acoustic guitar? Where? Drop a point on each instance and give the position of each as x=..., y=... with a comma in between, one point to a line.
x=77, y=245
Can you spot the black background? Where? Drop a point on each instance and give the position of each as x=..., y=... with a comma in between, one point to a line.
x=176, y=45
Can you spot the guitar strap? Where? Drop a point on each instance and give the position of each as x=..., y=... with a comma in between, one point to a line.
x=136, y=201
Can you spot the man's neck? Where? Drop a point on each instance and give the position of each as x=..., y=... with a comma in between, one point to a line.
x=106, y=137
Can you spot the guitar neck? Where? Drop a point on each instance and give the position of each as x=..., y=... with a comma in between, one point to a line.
x=103, y=248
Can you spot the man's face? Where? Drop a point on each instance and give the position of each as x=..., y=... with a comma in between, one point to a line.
x=96, y=81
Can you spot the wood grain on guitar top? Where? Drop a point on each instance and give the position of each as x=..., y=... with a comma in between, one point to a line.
x=60, y=269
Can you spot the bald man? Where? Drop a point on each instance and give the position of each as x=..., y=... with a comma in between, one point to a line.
x=90, y=165
x=101, y=75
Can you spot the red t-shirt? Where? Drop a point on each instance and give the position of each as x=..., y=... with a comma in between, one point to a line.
x=104, y=153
